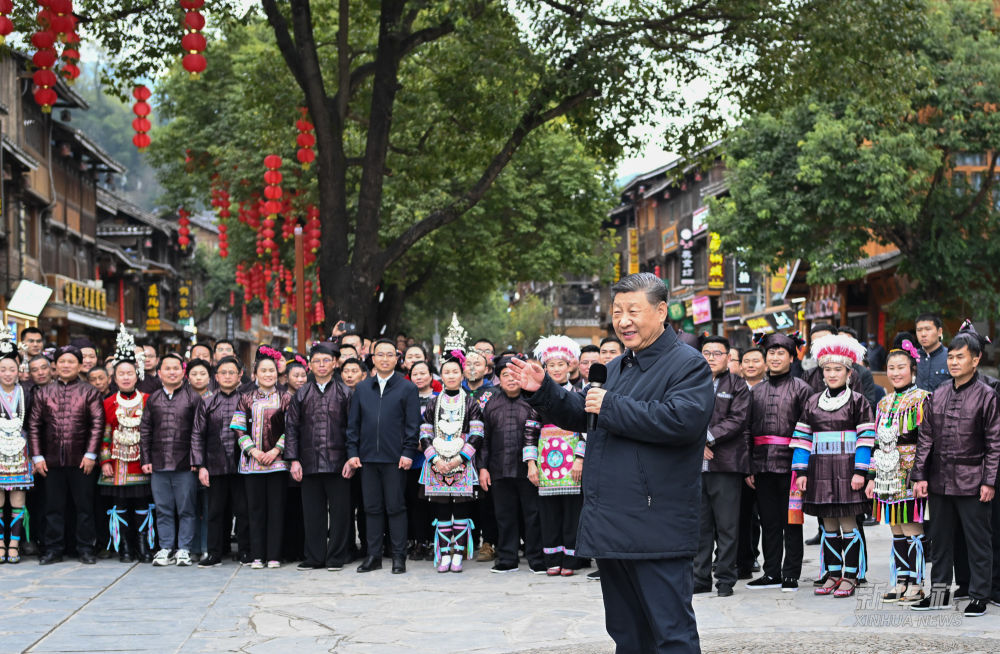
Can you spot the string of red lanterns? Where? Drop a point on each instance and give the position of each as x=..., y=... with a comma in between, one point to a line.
x=272, y=206
x=193, y=42
x=305, y=140
x=183, y=232
x=141, y=123
x=44, y=59
x=6, y=26
x=71, y=57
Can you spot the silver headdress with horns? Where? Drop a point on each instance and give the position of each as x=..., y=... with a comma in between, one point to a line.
x=126, y=352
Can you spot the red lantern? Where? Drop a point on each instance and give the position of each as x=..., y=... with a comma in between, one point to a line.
x=71, y=57
x=183, y=232
x=141, y=124
x=6, y=26
x=305, y=140
x=59, y=15
x=44, y=59
x=193, y=42
x=272, y=207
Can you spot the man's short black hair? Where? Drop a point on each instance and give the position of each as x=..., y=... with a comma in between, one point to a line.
x=223, y=341
x=348, y=346
x=194, y=363
x=487, y=341
x=99, y=369
x=230, y=359
x=356, y=362
x=850, y=331
x=590, y=348
x=170, y=355
x=929, y=317
x=40, y=357
x=385, y=341
x=612, y=339
x=969, y=340
x=752, y=349
x=718, y=340
x=823, y=327
x=32, y=330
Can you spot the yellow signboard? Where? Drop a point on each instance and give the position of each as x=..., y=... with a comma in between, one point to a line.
x=716, y=262
x=153, y=309
x=84, y=297
x=633, y=250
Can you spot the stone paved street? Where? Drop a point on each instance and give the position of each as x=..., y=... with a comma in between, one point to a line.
x=136, y=608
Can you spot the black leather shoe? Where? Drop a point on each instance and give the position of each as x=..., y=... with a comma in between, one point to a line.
x=371, y=563
x=87, y=558
x=49, y=558
x=725, y=591
x=398, y=565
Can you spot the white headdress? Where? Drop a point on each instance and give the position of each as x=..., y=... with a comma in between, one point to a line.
x=456, y=337
x=126, y=351
x=557, y=347
x=8, y=349
x=837, y=349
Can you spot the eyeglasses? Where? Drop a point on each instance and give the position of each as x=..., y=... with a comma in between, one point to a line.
x=709, y=354
x=384, y=355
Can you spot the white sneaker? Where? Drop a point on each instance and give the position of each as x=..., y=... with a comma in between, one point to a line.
x=183, y=558
x=163, y=558
x=257, y=565
x=274, y=564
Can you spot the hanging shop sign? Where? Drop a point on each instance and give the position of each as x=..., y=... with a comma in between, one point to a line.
x=687, y=258
x=702, y=310
x=716, y=262
x=153, y=309
x=184, y=301
x=633, y=250
x=675, y=311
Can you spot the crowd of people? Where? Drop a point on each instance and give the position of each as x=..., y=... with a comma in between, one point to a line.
x=792, y=436
x=172, y=458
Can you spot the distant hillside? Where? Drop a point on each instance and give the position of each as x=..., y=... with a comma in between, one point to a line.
x=109, y=123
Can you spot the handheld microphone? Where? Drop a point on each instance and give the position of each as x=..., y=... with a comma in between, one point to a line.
x=597, y=378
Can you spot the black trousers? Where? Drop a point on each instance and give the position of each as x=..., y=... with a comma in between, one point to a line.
x=995, y=521
x=448, y=511
x=418, y=517
x=514, y=498
x=69, y=482
x=326, y=513
x=35, y=503
x=976, y=525
x=359, y=529
x=560, y=518
x=647, y=605
x=748, y=548
x=485, y=517
x=382, y=487
x=266, y=510
x=227, y=492
x=778, y=535
x=293, y=540
x=720, y=521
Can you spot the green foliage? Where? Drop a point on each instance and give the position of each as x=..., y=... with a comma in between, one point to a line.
x=518, y=325
x=109, y=123
x=820, y=179
x=440, y=123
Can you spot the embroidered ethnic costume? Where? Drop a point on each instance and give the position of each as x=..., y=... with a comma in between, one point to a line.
x=131, y=517
x=832, y=442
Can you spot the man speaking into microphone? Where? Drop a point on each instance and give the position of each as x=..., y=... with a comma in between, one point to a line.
x=642, y=472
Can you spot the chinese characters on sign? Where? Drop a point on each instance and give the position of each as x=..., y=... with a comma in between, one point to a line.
x=687, y=258
x=153, y=309
x=743, y=280
x=84, y=296
x=698, y=220
x=716, y=262
x=633, y=250
x=702, y=307
x=184, y=303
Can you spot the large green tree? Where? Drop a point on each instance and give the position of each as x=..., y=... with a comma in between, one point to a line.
x=823, y=177
x=444, y=95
